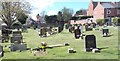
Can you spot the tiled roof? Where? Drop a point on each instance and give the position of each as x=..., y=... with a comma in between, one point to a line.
x=107, y=5
x=117, y=4
x=95, y=4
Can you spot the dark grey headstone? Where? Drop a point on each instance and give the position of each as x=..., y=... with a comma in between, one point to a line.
x=90, y=42
x=77, y=33
x=105, y=32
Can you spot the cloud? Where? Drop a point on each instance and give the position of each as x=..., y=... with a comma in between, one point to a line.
x=52, y=12
x=39, y=6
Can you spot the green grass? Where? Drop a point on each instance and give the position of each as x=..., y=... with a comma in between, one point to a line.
x=33, y=40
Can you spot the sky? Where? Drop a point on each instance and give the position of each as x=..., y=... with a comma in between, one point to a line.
x=51, y=7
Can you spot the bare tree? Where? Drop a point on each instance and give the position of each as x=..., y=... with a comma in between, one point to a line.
x=11, y=11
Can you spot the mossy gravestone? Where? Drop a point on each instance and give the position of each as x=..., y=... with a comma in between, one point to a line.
x=90, y=42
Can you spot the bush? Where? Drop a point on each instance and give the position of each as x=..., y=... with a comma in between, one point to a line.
x=116, y=21
x=100, y=21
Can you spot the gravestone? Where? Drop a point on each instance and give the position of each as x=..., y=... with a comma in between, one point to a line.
x=90, y=42
x=17, y=33
x=43, y=32
x=24, y=28
x=16, y=36
x=77, y=33
x=71, y=29
x=105, y=32
x=16, y=46
x=88, y=27
x=1, y=39
x=1, y=51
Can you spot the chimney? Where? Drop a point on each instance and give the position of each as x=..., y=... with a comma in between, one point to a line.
x=91, y=1
x=98, y=2
x=114, y=2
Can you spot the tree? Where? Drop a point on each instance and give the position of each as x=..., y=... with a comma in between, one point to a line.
x=51, y=19
x=11, y=11
x=81, y=12
x=60, y=16
x=66, y=14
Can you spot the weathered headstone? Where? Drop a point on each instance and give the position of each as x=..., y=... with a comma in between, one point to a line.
x=16, y=38
x=71, y=29
x=105, y=32
x=88, y=27
x=43, y=32
x=1, y=51
x=90, y=42
x=77, y=33
x=17, y=33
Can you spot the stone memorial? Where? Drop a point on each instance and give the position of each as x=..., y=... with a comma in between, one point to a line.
x=77, y=33
x=71, y=29
x=88, y=27
x=90, y=42
x=43, y=32
x=105, y=32
x=16, y=36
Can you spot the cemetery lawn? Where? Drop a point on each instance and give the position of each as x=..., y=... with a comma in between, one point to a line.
x=109, y=46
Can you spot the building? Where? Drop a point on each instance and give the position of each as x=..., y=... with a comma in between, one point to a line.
x=104, y=10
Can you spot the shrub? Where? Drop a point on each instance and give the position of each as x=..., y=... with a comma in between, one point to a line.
x=100, y=21
x=116, y=21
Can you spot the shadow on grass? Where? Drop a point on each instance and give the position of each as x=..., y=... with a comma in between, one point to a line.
x=103, y=48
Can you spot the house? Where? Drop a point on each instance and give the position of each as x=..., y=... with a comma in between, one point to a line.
x=104, y=10
x=91, y=7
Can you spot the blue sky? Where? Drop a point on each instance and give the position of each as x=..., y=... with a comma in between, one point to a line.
x=51, y=7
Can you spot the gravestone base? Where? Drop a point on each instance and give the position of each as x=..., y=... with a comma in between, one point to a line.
x=15, y=47
x=105, y=35
x=88, y=50
x=95, y=50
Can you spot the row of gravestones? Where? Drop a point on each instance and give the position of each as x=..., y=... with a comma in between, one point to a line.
x=16, y=43
x=77, y=33
x=45, y=31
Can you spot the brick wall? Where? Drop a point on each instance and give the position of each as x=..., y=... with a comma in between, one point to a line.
x=98, y=12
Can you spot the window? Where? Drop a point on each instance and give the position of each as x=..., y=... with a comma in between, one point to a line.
x=118, y=11
x=108, y=11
